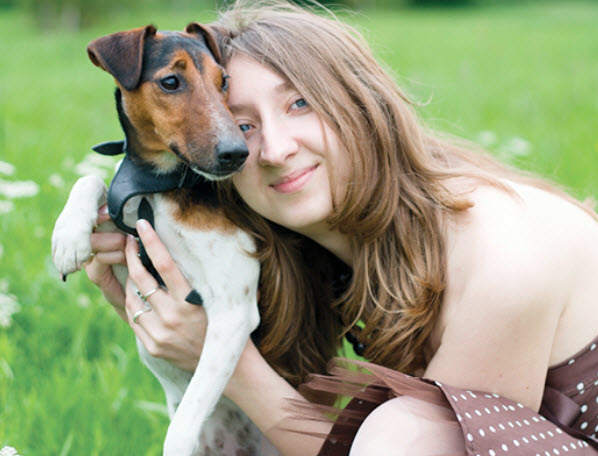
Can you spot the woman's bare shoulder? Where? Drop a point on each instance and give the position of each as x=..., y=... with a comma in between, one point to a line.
x=519, y=254
x=509, y=261
x=523, y=232
x=500, y=236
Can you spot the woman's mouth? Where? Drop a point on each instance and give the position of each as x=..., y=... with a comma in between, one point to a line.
x=295, y=181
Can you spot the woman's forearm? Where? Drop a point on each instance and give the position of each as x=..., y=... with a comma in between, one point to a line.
x=265, y=397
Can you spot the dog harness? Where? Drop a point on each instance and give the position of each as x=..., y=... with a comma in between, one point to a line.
x=134, y=179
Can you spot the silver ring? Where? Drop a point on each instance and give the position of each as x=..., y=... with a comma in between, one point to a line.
x=144, y=297
x=140, y=312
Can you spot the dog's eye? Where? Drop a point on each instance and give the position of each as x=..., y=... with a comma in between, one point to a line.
x=170, y=83
x=225, y=79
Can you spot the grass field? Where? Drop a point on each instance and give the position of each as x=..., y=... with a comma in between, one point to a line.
x=521, y=80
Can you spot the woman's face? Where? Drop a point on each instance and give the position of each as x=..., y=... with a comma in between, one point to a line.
x=292, y=153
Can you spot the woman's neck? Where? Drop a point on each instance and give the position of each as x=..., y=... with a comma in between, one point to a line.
x=337, y=243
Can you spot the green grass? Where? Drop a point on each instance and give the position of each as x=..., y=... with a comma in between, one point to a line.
x=523, y=79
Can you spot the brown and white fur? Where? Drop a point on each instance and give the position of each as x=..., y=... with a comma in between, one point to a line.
x=173, y=110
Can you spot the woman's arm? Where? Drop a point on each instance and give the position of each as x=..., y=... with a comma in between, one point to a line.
x=265, y=397
x=505, y=294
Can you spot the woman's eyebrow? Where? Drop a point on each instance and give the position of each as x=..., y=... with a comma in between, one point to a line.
x=238, y=108
x=282, y=87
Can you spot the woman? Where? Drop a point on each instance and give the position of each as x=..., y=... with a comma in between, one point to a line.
x=456, y=268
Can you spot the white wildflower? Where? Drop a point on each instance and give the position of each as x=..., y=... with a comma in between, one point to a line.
x=83, y=301
x=56, y=180
x=8, y=307
x=18, y=189
x=6, y=206
x=39, y=232
x=104, y=161
x=67, y=163
x=88, y=169
x=6, y=168
x=486, y=138
x=95, y=164
x=6, y=370
x=516, y=146
x=8, y=451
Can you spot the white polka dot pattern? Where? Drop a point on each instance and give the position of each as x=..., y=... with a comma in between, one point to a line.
x=491, y=425
x=495, y=426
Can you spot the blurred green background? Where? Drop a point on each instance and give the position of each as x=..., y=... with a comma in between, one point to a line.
x=520, y=78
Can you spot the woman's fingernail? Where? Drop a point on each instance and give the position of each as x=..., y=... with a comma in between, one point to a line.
x=104, y=209
x=142, y=225
x=130, y=238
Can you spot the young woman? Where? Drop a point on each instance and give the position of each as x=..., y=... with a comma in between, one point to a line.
x=470, y=288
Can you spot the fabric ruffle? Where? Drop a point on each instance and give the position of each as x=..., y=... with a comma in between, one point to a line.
x=491, y=425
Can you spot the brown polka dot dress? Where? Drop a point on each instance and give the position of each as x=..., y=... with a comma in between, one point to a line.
x=567, y=423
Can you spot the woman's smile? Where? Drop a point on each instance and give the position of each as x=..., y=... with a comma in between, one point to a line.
x=294, y=181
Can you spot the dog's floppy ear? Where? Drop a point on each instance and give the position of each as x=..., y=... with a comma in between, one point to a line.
x=121, y=54
x=209, y=35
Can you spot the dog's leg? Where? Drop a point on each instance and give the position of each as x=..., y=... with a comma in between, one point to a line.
x=173, y=380
x=218, y=264
x=230, y=432
x=226, y=337
x=71, y=239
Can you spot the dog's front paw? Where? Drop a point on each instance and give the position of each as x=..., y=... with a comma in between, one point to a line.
x=71, y=248
x=71, y=238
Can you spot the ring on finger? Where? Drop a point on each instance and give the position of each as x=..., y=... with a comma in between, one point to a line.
x=140, y=312
x=144, y=297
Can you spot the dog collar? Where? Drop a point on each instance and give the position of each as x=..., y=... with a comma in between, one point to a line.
x=134, y=179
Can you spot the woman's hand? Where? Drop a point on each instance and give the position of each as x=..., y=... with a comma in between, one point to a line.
x=108, y=249
x=174, y=329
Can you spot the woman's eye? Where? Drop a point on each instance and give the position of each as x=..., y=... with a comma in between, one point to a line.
x=224, y=86
x=245, y=127
x=170, y=83
x=300, y=103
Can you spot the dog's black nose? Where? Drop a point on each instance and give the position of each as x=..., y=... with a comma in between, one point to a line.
x=231, y=156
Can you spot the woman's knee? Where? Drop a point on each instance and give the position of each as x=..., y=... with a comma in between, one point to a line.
x=408, y=426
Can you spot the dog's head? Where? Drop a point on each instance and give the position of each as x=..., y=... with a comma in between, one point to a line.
x=171, y=98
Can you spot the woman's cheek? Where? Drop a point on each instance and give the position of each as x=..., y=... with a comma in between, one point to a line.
x=242, y=182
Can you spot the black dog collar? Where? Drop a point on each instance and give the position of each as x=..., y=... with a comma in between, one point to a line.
x=133, y=179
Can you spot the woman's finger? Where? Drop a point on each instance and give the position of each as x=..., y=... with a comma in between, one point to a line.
x=103, y=215
x=141, y=317
x=135, y=307
x=144, y=282
x=114, y=257
x=106, y=242
x=162, y=261
x=101, y=274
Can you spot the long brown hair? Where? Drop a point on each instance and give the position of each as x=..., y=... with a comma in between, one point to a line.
x=393, y=210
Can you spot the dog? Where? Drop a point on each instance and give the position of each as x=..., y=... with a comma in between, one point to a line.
x=180, y=137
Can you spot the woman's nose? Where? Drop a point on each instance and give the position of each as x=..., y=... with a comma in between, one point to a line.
x=278, y=143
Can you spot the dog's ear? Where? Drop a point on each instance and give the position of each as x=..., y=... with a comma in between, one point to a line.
x=210, y=35
x=121, y=54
